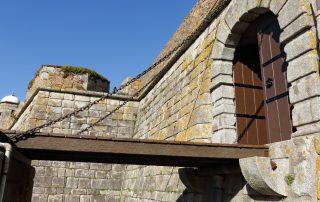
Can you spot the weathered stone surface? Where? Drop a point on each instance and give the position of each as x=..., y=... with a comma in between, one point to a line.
x=72, y=182
x=287, y=14
x=306, y=112
x=105, y=184
x=54, y=95
x=41, y=100
x=282, y=149
x=304, y=161
x=224, y=120
x=303, y=22
x=318, y=28
x=55, y=198
x=236, y=26
x=220, y=52
x=97, y=198
x=99, y=107
x=82, y=98
x=220, y=80
x=303, y=43
x=54, y=102
x=68, y=96
x=84, y=198
x=68, y=103
x=305, y=88
x=223, y=91
x=260, y=176
x=221, y=67
x=317, y=144
x=55, y=110
x=72, y=198
x=82, y=173
x=79, y=165
x=41, y=181
x=225, y=135
x=258, y=6
x=100, y=166
x=302, y=66
x=276, y=5
x=79, y=104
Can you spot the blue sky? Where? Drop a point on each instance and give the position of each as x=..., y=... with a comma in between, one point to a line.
x=117, y=38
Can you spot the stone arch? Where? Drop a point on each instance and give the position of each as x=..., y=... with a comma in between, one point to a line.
x=298, y=38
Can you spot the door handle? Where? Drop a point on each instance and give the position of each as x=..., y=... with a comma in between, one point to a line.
x=269, y=82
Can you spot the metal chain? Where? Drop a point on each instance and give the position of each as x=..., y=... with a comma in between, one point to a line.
x=188, y=39
x=115, y=91
x=109, y=114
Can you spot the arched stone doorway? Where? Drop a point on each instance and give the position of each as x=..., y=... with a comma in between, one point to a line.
x=298, y=39
x=261, y=89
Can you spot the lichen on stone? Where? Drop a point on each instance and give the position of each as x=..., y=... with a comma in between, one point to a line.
x=72, y=70
x=32, y=81
x=289, y=179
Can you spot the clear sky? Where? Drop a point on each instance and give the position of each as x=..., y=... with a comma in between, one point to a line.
x=117, y=38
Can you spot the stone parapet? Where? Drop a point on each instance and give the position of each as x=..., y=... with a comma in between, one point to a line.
x=48, y=104
x=67, y=78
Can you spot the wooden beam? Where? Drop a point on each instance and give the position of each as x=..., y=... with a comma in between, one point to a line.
x=133, y=151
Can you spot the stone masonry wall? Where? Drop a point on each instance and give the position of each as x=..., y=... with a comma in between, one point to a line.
x=48, y=105
x=76, y=182
x=177, y=108
x=72, y=181
x=7, y=114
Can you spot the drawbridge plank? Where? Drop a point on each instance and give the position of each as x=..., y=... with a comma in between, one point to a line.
x=133, y=151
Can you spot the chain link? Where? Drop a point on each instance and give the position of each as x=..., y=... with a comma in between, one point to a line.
x=188, y=39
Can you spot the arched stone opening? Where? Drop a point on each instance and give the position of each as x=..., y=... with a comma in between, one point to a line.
x=261, y=88
x=234, y=22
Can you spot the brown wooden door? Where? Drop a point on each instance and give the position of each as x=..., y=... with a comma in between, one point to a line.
x=251, y=124
x=261, y=91
x=273, y=68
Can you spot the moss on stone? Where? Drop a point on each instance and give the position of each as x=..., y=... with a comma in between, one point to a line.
x=72, y=70
x=96, y=193
x=289, y=179
x=32, y=81
x=13, y=116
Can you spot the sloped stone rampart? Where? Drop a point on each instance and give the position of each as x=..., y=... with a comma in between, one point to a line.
x=177, y=108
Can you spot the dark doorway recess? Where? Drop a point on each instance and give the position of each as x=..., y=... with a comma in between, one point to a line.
x=261, y=89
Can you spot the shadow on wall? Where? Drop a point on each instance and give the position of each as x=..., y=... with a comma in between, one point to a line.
x=19, y=183
x=204, y=186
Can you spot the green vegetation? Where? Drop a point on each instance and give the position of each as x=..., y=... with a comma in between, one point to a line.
x=13, y=116
x=32, y=81
x=96, y=192
x=289, y=179
x=70, y=70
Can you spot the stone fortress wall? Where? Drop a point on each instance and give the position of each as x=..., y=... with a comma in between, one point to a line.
x=192, y=101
